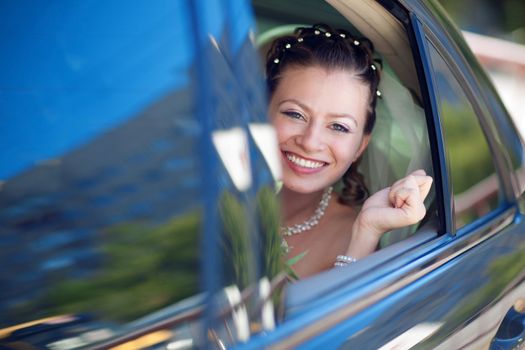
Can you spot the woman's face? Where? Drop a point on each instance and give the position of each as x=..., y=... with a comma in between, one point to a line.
x=319, y=116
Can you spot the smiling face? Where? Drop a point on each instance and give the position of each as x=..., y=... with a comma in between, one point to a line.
x=319, y=116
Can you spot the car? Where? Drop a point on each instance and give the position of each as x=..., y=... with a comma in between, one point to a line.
x=139, y=183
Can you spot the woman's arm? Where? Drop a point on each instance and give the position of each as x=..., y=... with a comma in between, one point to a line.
x=393, y=207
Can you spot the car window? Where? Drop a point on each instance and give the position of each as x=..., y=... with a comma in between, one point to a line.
x=474, y=182
x=126, y=162
x=400, y=142
x=100, y=202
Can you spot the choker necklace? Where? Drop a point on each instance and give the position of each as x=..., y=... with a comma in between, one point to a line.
x=309, y=223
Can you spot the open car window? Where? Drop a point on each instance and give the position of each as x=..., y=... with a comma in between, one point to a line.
x=400, y=142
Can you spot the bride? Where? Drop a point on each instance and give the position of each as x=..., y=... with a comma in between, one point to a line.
x=323, y=91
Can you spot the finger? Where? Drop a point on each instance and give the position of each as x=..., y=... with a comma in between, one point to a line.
x=410, y=178
x=409, y=201
x=405, y=196
x=378, y=199
x=408, y=181
x=420, y=172
x=424, y=184
x=423, y=181
x=399, y=200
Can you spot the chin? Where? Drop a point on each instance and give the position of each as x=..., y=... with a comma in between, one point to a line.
x=304, y=188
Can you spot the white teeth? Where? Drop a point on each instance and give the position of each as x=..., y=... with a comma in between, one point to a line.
x=303, y=162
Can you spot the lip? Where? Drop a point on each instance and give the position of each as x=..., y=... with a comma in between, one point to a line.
x=299, y=169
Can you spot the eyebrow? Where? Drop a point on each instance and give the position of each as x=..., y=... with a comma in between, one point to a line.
x=331, y=115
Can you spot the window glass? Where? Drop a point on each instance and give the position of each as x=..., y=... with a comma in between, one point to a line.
x=100, y=192
x=474, y=182
x=135, y=181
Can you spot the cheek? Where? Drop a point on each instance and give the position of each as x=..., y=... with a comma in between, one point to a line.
x=279, y=129
x=346, y=151
x=276, y=122
x=283, y=129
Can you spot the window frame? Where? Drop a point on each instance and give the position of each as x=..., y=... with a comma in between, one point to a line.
x=467, y=82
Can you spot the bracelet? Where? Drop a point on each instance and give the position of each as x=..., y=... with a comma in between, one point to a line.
x=344, y=260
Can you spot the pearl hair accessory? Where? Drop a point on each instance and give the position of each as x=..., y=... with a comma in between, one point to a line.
x=328, y=34
x=309, y=223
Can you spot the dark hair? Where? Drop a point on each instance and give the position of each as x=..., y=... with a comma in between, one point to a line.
x=320, y=45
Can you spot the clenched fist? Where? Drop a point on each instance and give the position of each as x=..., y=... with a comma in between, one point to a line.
x=393, y=207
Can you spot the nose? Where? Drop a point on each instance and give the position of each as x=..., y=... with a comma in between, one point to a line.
x=311, y=139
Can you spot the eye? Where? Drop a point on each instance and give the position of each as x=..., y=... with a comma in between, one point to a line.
x=293, y=115
x=339, y=128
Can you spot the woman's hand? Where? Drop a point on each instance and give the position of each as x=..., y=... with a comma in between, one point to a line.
x=393, y=207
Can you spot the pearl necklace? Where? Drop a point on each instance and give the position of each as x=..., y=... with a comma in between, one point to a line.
x=309, y=223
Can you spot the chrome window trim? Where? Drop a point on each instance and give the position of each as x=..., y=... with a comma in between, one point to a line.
x=179, y=315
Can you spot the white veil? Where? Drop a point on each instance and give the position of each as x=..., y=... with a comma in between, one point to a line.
x=399, y=143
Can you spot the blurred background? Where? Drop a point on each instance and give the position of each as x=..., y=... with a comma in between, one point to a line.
x=495, y=30
x=498, y=18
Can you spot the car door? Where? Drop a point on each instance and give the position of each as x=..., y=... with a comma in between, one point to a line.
x=485, y=189
x=453, y=281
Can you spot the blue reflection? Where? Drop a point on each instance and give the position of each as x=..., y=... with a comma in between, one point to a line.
x=86, y=78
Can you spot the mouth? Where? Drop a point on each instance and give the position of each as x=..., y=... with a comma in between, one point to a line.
x=298, y=161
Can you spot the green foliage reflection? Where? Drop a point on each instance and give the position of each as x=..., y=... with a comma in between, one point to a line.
x=144, y=270
x=239, y=231
x=236, y=246
x=502, y=272
x=468, y=150
x=268, y=210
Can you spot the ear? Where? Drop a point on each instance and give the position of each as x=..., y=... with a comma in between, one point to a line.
x=362, y=147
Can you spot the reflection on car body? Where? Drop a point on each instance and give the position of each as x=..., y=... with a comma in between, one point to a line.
x=138, y=183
